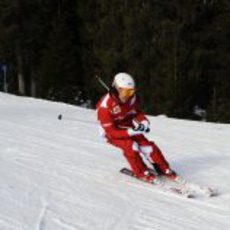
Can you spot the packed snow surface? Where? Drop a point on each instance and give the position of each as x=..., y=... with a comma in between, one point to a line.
x=60, y=175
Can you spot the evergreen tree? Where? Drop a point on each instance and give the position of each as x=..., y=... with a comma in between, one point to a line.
x=178, y=51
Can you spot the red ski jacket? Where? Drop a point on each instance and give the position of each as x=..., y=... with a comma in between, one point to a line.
x=115, y=117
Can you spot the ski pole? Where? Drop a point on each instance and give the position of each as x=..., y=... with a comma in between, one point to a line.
x=61, y=117
x=102, y=83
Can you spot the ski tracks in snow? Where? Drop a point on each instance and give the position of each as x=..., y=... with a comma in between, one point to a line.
x=41, y=218
x=49, y=219
x=58, y=175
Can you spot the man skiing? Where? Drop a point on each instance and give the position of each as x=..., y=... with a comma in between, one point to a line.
x=124, y=125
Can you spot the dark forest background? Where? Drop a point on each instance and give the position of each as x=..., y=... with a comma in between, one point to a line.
x=178, y=52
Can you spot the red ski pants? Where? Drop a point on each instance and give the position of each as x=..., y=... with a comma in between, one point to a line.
x=133, y=146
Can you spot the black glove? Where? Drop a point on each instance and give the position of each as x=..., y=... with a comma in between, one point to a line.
x=142, y=126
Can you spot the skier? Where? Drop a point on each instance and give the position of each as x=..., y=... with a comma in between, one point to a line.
x=123, y=124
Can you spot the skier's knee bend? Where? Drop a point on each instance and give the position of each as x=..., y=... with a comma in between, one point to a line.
x=155, y=148
x=131, y=148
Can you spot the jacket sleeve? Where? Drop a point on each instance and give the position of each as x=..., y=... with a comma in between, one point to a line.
x=106, y=121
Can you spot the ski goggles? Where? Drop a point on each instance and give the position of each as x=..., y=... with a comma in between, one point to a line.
x=124, y=92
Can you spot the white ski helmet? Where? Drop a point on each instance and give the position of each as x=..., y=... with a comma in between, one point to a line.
x=123, y=80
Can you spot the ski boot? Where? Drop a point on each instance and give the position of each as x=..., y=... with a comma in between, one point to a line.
x=149, y=177
x=170, y=174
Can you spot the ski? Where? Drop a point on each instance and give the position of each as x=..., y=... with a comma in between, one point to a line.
x=196, y=188
x=164, y=186
x=181, y=186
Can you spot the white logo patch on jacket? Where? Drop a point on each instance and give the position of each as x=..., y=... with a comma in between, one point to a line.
x=116, y=109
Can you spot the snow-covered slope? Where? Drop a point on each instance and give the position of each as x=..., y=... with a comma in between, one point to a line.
x=60, y=175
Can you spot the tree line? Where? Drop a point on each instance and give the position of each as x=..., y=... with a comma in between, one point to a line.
x=178, y=52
